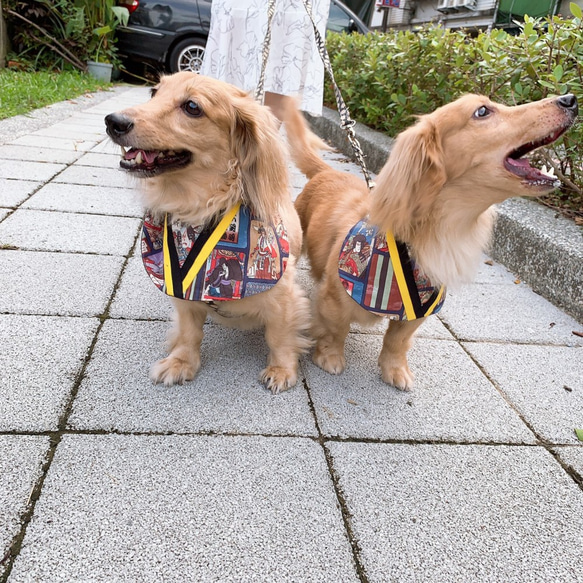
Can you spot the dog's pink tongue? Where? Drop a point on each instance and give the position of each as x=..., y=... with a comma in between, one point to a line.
x=521, y=162
x=520, y=166
x=148, y=156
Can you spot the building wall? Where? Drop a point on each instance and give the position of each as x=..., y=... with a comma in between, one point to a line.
x=417, y=12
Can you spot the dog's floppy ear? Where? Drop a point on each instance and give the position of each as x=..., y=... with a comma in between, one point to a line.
x=410, y=181
x=259, y=152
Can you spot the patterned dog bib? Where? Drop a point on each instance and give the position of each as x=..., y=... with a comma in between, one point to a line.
x=239, y=257
x=379, y=275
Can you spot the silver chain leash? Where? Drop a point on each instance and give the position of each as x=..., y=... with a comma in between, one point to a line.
x=346, y=122
x=260, y=90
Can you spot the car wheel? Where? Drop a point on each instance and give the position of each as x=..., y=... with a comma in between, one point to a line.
x=187, y=55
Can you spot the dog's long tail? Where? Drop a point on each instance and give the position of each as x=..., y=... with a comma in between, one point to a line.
x=304, y=144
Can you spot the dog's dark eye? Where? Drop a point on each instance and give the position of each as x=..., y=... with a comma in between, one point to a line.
x=153, y=91
x=192, y=108
x=482, y=112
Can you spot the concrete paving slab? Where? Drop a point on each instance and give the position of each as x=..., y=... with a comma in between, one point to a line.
x=13, y=192
x=451, y=401
x=38, y=154
x=26, y=170
x=494, y=273
x=69, y=232
x=447, y=513
x=572, y=457
x=225, y=397
x=21, y=458
x=507, y=313
x=137, y=297
x=56, y=143
x=135, y=96
x=4, y=212
x=183, y=508
x=95, y=176
x=545, y=383
x=106, y=147
x=56, y=283
x=80, y=198
x=39, y=361
x=89, y=120
x=72, y=131
x=99, y=160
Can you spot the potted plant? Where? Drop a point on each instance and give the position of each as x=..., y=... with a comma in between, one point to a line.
x=103, y=17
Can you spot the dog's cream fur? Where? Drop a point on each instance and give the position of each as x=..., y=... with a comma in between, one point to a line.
x=435, y=193
x=237, y=155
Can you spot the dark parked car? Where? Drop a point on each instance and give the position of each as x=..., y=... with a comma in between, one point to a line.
x=170, y=35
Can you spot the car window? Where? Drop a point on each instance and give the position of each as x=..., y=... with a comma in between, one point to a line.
x=339, y=21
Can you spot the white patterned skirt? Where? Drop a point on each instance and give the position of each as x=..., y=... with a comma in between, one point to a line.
x=234, y=48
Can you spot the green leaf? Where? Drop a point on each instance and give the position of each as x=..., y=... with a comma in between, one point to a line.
x=579, y=434
x=575, y=10
x=558, y=72
x=121, y=14
x=102, y=30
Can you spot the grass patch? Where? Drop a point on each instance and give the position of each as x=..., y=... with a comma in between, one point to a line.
x=24, y=91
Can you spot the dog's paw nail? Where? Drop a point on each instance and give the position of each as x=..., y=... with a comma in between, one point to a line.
x=278, y=379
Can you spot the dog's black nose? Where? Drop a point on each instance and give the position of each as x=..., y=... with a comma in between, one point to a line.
x=569, y=102
x=118, y=124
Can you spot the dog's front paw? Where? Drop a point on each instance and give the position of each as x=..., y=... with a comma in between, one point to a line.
x=399, y=377
x=173, y=371
x=331, y=362
x=278, y=379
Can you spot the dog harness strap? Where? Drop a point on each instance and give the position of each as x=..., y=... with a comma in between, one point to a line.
x=405, y=278
x=207, y=247
x=433, y=301
x=380, y=275
x=172, y=277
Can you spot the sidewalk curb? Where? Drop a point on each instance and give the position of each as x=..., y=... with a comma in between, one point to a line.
x=542, y=248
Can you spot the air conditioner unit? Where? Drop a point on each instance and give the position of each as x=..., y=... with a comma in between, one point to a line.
x=446, y=6
x=466, y=4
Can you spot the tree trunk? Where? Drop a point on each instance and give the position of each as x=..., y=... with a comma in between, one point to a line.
x=3, y=39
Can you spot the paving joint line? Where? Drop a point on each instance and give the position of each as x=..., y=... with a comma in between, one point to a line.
x=68, y=212
x=315, y=438
x=341, y=499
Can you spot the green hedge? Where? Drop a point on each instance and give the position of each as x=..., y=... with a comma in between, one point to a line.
x=387, y=78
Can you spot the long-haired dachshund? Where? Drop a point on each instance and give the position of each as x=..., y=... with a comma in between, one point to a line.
x=423, y=228
x=213, y=170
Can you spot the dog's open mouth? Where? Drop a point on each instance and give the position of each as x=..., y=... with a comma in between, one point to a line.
x=152, y=162
x=517, y=163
